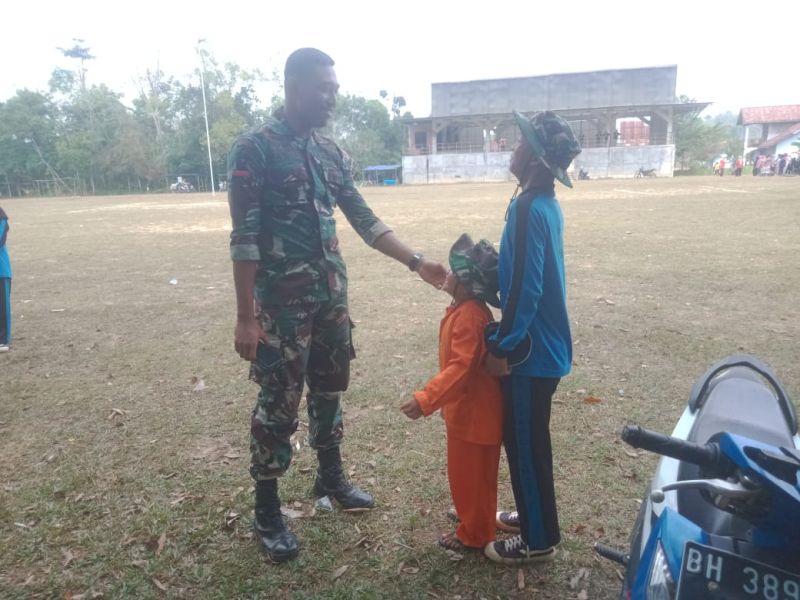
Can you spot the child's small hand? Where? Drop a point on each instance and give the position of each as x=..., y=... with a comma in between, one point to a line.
x=411, y=408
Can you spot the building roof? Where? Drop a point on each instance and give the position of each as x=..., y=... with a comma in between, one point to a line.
x=383, y=167
x=769, y=114
x=569, y=114
x=789, y=133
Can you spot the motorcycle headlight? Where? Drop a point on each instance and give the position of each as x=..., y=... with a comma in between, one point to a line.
x=660, y=584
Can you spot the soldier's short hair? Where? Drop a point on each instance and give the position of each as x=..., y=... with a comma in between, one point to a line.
x=303, y=61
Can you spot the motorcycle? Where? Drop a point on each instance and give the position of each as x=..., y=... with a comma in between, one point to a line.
x=583, y=175
x=721, y=517
x=182, y=188
x=642, y=172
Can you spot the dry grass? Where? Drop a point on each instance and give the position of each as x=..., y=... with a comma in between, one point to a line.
x=695, y=268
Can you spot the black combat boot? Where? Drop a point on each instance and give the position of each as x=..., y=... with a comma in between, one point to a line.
x=278, y=541
x=331, y=482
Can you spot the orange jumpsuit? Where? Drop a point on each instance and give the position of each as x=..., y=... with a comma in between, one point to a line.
x=472, y=405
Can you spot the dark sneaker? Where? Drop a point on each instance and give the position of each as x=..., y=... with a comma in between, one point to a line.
x=507, y=521
x=514, y=551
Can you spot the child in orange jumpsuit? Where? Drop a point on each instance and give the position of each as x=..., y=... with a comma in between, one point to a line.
x=470, y=398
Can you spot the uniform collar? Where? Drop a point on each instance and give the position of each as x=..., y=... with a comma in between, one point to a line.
x=279, y=125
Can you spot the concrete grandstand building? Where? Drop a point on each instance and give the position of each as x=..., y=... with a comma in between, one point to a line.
x=623, y=119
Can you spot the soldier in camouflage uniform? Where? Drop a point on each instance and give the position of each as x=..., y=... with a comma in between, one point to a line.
x=285, y=182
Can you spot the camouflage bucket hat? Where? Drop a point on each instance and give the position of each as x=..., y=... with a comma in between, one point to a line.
x=551, y=138
x=475, y=266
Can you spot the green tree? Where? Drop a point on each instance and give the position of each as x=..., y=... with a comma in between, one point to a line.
x=365, y=130
x=28, y=123
x=698, y=140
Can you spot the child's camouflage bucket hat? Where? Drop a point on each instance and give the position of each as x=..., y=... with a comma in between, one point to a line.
x=475, y=266
x=551, y=138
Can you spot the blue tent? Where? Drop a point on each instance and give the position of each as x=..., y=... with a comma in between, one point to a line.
x=373, y=174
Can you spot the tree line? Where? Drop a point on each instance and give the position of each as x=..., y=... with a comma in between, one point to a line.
x=80, y=137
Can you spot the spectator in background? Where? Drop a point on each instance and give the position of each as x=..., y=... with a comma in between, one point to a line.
x=739, y=167
x=5, y=285
x=757, y=165
x=722, y=167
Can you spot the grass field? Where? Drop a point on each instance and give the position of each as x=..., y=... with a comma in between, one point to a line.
x=120, y=476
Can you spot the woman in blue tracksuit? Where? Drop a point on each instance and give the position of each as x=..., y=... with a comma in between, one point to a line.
x=532, y=347
x=5, y=285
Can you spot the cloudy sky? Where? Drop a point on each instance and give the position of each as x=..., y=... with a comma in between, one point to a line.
x=405, y=46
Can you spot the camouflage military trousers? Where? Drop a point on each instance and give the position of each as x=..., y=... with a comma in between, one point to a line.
x=315, y=340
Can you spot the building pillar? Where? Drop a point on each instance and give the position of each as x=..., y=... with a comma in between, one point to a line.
x=670, y=121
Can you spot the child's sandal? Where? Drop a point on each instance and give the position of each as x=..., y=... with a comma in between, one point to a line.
x=449, y=541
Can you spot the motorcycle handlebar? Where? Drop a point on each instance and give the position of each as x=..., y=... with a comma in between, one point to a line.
x=709, y=457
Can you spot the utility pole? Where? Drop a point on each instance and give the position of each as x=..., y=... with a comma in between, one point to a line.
x=205, y=114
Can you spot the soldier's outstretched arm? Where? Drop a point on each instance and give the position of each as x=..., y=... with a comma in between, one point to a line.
x=429, y=270
x=377, y=234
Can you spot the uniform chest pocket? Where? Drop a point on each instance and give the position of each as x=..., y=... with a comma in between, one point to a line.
x=333, y=180
x=288, y=185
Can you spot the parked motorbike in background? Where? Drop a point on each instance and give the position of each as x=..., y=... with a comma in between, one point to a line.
x=642, y=172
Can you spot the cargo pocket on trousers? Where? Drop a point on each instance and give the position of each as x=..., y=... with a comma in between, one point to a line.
x=352, y=347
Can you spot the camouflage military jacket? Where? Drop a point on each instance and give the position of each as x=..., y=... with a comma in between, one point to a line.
x=282, y=193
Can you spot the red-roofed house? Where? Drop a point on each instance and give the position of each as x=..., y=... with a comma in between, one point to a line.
x=771, y=129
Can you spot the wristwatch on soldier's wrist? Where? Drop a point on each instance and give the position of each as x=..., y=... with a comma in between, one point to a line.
x=412, y=266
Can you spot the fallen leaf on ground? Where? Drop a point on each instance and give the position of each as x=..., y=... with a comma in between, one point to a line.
x=399, y=356
x=305, y=470
x=68, y=558
x=193, y=380
x=385, y=518
x=411, y=570
x=579, y=528
x=116, y=412
x=574, y=581
x=339, y=572
x=159, y=585
x=582, y=595
x=521, y=579
x=201, y=385
x=291, y=513
x=232, y=455
x=592, y=400
x=455, y=556
x=632, y=454
x=161, y=541
x=298, y=504
x=139, y=563
x=379, y=407
x=356, y=510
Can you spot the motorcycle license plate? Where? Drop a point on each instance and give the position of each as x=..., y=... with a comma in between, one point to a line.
x=712, y=574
